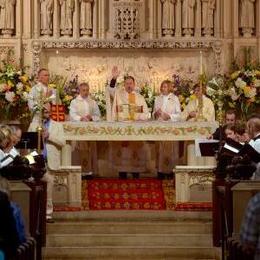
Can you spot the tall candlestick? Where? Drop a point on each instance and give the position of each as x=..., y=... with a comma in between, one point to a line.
x=201, y=64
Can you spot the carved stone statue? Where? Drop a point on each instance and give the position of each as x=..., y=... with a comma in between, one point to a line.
x=247, y=17
x=188, y=16
x=86, y=17
x=208, y=7
x=168, y=15
x=46, y=15
x=66, y=16
x=7, y=16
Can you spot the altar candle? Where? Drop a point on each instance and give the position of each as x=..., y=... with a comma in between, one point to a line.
x=201, y=63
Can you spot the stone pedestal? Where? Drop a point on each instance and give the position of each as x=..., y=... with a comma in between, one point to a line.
x=242, y=193
x=193, y=183
x=67, y=186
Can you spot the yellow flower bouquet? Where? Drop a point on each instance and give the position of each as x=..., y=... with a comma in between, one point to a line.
x=15, y=86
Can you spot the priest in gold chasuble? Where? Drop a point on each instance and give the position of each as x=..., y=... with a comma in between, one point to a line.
x=129, y=106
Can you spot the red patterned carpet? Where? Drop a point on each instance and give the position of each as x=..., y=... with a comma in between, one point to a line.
x=139, y=194
x=107, y=194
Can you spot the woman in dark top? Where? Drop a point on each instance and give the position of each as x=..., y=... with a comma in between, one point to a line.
x=9, y=239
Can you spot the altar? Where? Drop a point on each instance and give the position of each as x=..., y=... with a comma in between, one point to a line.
x=62, y=133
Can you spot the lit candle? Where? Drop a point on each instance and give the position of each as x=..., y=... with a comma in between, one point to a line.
x=201, y=64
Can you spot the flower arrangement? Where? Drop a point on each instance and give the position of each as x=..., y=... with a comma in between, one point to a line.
x=15, y=85
x=100, y=98
x=182, y=88
x=66, y=90
x=215, y=90
x=149, y=95
x=243, y=90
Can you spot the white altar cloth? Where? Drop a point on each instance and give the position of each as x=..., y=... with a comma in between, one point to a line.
x=61, y=133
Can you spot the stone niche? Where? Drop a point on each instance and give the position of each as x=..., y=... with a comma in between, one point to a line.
x=150, y=66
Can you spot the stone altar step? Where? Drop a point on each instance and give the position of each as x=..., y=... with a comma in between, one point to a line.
x=131, y=227
x=132, y=215
x=128, y=252
x=134, y=240
x=158, y=235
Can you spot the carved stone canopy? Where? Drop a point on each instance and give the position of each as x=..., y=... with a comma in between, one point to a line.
x=215, y=45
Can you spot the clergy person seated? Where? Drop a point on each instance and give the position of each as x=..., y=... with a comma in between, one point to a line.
x=166, y=108
x=191, y=111
x=128, y=105
x=83, y=108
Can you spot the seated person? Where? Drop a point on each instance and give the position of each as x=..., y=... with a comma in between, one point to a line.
x=191, y=111
x=230, y=118
x=241, y=133
x=166, y=108
x=253, y=130
x=9, y=238
x=250, y=227
x=17, y=213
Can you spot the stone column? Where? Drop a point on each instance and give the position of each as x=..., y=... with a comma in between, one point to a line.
x=217, y=20
x=56, y=20
x=36, y=12
x=95, y=19
x=198, y=14
x=152, y=19
x=178, y=19
x=76, y=20
x=235, y=18
x=228, y=14
x=27, y=19
x=102, y=14
x=159, y=18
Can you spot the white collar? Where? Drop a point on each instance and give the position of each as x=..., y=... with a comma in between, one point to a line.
x=79, y=97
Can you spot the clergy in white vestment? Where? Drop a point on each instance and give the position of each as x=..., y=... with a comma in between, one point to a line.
x=83, y=108
x=191, y=111
x=166, y=108
x=40, y=95
x=128, y=105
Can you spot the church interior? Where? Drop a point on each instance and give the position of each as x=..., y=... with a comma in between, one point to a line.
x=130, y=129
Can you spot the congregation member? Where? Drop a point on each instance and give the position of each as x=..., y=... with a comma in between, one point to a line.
x=250, y=227
x=191, y=111
x=39, y=95
x=230, y=118
x=9, y=237
x=11, y=152
x=128, y=105
x=166, y=108
x=84, y=109
x=253, y=130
